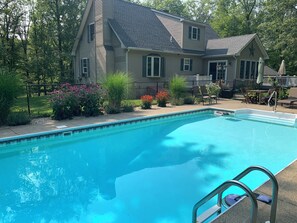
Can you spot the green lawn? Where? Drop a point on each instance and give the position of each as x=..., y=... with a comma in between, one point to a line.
x=39, y=105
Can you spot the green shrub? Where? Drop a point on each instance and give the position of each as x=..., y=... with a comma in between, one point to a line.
x=65, y=105
x=177, y=89
x=71, y=101
x=189, y=100
x=18, y=118
x=9, y=89
x=127, y=106
x=213, y=89
x=91, y=100
x=283, y=93
x=117, y=88
x=109, y=109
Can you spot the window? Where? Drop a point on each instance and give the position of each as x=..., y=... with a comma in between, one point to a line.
x=253, y=70
x=242, y=68
x=91, y=32
x=153, y=66
x=248, y=69
x=186, y=64
x=85, y=67
x=194, y=33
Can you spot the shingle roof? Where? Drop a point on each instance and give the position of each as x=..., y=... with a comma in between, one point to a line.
x=227, y=46
x=269, y=71
x=139, y=27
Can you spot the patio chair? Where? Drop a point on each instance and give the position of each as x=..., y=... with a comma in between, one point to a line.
x=291, y=99
x=206, y=97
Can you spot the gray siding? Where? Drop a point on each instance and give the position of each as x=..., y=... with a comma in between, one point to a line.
x=119, y=55
x=246, y=55
x=85, y=49
x=190, y=43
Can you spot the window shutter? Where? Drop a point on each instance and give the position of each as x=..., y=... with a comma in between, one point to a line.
x=190, y=32
x=144, y=66
x=88, y=63
x=198, y=34
x=191, y=63
x=182, y=64
x=162, y=67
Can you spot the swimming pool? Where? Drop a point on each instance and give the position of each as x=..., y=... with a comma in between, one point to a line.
x=146, y=170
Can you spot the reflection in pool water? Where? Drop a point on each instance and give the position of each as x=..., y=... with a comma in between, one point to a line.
x=138, y=173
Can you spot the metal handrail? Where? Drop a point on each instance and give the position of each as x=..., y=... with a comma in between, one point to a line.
x=219, y=191
x=275, y=101
x=274, y=187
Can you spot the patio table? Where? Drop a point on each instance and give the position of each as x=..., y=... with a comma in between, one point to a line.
x=257, y=94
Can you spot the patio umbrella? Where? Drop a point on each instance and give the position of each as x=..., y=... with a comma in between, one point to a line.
x=282, y=68
x=260, y=71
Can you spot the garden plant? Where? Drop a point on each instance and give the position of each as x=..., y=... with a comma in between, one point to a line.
x=117, y=89
x=177, y=89
x=10, y=88
x=162, y=97
x=146, y=101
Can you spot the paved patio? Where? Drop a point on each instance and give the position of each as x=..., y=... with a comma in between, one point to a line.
x=47, y=124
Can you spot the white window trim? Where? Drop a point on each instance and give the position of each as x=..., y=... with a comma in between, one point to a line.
x=194, y=27
x=85, y=68
x=153, y=66
x=187, y=64
x=255, y=71
x=219, y=61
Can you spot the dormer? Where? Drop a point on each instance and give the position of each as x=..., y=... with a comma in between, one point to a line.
x=189, y=35
x=193, y=37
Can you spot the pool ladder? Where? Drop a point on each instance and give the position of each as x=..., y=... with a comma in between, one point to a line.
x=274, y=93
x=217, y=209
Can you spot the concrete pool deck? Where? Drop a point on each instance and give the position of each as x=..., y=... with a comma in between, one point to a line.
x=47, y=124
x=286, y=205
x=287, y=179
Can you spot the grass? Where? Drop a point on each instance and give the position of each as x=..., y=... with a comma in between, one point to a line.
x=39, y=105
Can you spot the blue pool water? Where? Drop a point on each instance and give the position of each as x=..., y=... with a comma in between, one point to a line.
x=148, y=172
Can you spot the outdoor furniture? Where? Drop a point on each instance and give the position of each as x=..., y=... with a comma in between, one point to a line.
x=291, y=99
x=246, y=99
x=257, y=93
x=206, y=97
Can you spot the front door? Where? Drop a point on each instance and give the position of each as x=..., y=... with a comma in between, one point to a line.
x=218, y=70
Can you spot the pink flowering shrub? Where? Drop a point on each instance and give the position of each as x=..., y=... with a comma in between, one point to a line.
x=74, y=100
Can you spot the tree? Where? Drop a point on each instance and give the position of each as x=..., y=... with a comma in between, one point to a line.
x=200, y=10
x=278, y=32
x=175, y=7
x=236, y=17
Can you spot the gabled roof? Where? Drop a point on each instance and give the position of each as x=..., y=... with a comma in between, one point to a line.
x=232, y=46
x=139, y=27
x=270, y=72
x=82, y=25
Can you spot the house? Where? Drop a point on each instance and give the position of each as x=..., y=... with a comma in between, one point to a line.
x=153, y=46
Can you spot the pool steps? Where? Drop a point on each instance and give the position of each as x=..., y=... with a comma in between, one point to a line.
x=267, y=116
x=217, y=209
